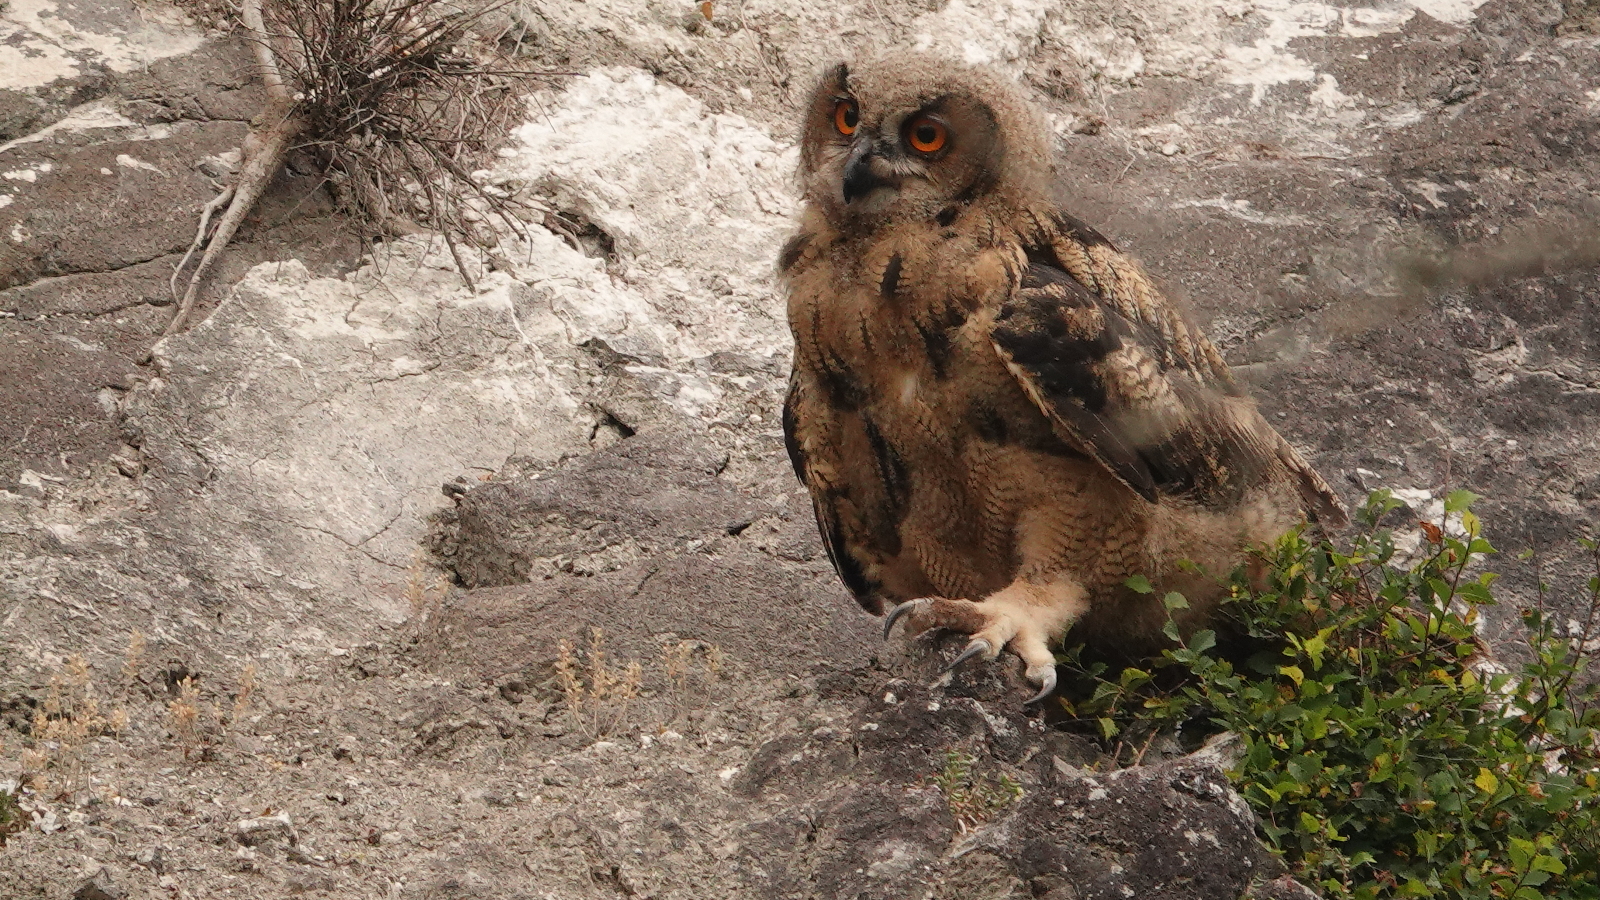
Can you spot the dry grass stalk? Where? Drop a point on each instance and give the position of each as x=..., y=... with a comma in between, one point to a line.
x=132, y=662
x=184, y=714
x=426, y=588
x=247, y=690
x=196, y=723
x=690, y=668
x=383, y=95
x=598, y=696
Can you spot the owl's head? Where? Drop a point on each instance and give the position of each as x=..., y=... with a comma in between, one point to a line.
x=906, y=137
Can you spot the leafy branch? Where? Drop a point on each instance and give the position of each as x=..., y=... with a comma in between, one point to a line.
x=1385, y=751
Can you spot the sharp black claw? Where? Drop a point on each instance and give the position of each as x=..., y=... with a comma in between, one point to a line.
x=894, y=616
x=1046, y=690
x=978, y=645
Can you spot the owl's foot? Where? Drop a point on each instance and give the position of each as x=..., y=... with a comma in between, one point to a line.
x=1025, y=628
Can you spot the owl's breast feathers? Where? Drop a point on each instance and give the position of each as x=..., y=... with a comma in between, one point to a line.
x=1118, y=374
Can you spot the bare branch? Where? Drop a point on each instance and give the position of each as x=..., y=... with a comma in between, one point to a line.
x=271, y=79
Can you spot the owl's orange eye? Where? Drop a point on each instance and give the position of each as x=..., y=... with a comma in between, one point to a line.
x=926, y=135
x=846, y=116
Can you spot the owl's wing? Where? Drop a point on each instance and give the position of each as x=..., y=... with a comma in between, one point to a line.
x=849, y=516
x=1161, y=413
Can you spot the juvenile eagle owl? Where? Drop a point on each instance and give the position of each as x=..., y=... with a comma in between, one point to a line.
x=998, y=417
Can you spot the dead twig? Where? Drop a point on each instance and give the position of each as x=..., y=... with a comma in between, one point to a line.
x=217, y=202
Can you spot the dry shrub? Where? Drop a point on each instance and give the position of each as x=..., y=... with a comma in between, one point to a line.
x=64, y=726
x=394, y=102
x=400, y=105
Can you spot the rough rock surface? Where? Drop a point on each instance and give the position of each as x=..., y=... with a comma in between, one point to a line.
x=863, y=815
x=644, y=539
x=259, y=498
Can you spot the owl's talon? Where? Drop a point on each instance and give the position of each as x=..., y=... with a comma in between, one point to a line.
x=900, y=611
x=976, y=647
x=1023, y=618
x=1047, y=681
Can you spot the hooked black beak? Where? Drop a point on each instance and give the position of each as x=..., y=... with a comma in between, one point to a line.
x=859, y=179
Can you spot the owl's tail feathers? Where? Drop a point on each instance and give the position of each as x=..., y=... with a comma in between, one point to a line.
x=1321, y=504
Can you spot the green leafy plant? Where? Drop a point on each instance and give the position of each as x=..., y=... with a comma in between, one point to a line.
x=974, y=798
x=12, y=818
x=1385, y=753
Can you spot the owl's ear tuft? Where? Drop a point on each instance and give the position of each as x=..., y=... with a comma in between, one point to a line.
x=836, y=80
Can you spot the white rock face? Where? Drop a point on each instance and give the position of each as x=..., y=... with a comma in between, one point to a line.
x=1238, y=42
x=318, y=417
x=983, y=33
x=43, y=40
x=338, y=407
x=696, y=203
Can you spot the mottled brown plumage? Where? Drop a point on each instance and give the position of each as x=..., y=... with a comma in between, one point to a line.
x=996, y=414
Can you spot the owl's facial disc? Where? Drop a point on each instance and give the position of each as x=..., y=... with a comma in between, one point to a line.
x=888, y=159
x=880, y=149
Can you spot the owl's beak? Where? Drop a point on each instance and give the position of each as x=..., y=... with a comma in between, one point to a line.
x=859, y=179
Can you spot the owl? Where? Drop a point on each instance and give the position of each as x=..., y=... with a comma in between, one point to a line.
x=999, y=419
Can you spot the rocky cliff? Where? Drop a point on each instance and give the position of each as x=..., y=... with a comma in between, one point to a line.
x=315, y=673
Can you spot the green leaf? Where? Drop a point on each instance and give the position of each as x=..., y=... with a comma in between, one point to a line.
x=1522, y=852
x=1413, y=888
x=1291, y=712
x=1486, y=781
x=1304, y=769
x=1549, y=864
x=1379, y=764
x=1535, y=878
x=1316, y=645
x=1459, y=501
